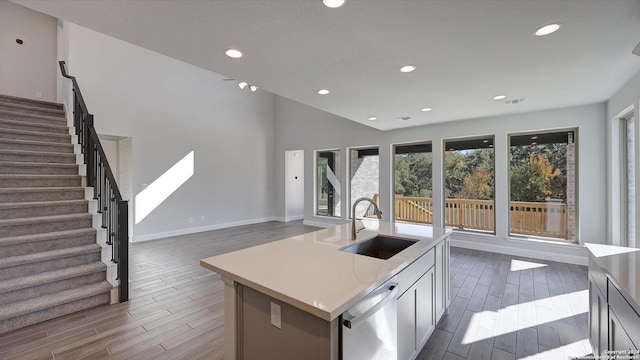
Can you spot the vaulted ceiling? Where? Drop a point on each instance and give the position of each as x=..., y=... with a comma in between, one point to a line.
x=465, y=51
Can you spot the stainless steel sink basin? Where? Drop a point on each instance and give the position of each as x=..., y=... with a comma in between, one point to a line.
x=381, y=247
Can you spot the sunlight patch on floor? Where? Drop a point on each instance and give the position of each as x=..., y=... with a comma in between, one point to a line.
x=160, y=189
x=517, y=265
x=488, y=324
x=564, y=352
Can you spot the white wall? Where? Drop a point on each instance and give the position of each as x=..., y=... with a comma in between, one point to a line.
x=299, y=126
x=625, y=100
x=169, y=108
x=27, y=70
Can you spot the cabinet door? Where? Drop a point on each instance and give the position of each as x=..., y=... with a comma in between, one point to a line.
x=598, y=319
x=618, y=337
x=441, y=277
x=407, y=324
x=425, y=312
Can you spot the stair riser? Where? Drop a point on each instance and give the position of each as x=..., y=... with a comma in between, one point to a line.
x=41, y=195
x=49, y=265
x=52, y=313
x=41, y=228
x=38, y=158
x=41, y=170
x=32, y=111
x=4, y=145
x=47, y=245
x=39, y=182
x=23, y=126
x=51, y=288
x=43, y=138
x=28, y=102
x=27, y=212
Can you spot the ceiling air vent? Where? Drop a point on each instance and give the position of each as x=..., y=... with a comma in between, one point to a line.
x=515, y=101
x=405, y=118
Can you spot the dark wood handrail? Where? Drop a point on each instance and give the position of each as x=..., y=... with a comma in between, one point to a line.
x=114, y=210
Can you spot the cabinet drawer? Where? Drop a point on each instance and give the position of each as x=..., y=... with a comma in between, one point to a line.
x=627, y=316
x=599, y=277
x=415, y=270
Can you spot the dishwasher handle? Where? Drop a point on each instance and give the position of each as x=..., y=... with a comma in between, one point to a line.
x=350, y=320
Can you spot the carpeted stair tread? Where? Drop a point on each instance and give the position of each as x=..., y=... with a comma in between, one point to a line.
x=48, y=255
x=35, y=133
x=30, y=102
x=44, y=219
x=21, y=205
x=37, y=176
x=33, y=164
x=50, y=277
x=26, y=108
x=53, y=300
x=8, y=241
x=60, y=126
x=31, y=152
x=55, y=147
x=36, y=189
x=53, y=119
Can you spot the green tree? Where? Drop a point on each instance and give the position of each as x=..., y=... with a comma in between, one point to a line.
x=477, y=186
x=532, y=181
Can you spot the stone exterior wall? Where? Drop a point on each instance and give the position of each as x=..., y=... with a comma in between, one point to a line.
x=364, y=175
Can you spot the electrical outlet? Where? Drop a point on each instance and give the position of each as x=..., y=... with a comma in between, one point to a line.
x=276, y=315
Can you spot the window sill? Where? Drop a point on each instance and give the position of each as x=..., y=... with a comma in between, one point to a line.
x=525, y=240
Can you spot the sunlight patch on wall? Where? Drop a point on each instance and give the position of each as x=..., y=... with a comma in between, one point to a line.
x=517, y=265
x=487, y=324
x=160, y=189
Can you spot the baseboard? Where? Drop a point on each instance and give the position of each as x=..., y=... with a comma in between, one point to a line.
x=319, y=224
x=194, y=230
x=524, y=252
x=291, y=218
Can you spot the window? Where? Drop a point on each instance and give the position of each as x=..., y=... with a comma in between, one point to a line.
x=469, y=184
x=364, y=168
x=328, y=183
x=628, y=180
x=543, y=185
x=413, y=183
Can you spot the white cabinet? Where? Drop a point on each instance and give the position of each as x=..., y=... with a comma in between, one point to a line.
x=442, y=278
x=424, y=297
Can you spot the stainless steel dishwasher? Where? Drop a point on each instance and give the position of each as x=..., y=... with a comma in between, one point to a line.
x=369, y=328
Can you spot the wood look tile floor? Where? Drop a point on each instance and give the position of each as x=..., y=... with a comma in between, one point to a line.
x=176, y=307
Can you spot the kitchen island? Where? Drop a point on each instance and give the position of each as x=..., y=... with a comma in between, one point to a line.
x=286, y=298
x=614, y=300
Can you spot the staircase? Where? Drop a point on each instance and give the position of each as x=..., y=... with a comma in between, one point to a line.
x=50, y=262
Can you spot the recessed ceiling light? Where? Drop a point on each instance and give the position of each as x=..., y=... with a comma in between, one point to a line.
x=233, y=53
x=485, y=141
x=407, y=68
x=499, y=97
x=426, y=109
x=323, y=91
x=451, y=149
x=371, y=118
x=490, y=145
x=534, y=143
x=534, y=137
x=253, y=88
x=242, y=85
x=333, y=3
x=547, y=29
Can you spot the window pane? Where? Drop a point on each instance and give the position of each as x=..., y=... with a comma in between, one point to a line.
x=328, y=183
x=364, y=170
x=469, y=184
x=542, y=185
x=413, y=187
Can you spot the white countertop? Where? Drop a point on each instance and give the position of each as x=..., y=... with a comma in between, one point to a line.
x=309, y=272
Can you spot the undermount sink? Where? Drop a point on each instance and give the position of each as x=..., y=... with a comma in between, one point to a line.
x=380, y=247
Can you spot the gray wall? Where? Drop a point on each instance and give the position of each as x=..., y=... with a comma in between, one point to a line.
x=169, y=108
x=626, y=100
x=299, y=126
x=29, y=69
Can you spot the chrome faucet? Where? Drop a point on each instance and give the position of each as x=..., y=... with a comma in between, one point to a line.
x=376, y=210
